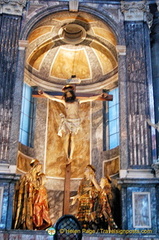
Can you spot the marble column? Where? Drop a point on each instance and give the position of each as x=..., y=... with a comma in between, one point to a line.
x=139, y=188
x=136, y=85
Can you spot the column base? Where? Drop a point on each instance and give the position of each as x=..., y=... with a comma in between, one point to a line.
x=136, y=173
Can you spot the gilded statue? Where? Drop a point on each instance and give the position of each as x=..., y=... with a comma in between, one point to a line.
x=94, y=201
x=41, y=218
x=87, y=197
x=26, y=194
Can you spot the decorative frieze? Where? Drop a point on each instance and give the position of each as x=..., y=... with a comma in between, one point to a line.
x=12, y=7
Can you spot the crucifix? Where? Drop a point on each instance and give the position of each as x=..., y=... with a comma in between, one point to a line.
x=70, y=125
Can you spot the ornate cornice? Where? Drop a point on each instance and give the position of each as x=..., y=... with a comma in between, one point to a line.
x=12, y=7
x=136, y=11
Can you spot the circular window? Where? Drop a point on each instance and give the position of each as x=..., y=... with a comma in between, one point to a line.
x=72, y=33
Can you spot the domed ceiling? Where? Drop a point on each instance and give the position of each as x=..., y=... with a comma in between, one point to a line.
x=66, y=44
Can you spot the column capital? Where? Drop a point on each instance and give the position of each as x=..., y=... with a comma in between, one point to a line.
x=136, y=11
x=12, y=7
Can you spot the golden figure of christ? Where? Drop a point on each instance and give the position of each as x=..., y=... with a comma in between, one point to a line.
x=70, y=122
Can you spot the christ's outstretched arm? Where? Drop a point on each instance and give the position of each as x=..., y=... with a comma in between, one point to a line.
x=40, y=92
x=104, y=96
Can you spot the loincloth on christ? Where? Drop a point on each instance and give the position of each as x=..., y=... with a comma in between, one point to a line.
x=69, y=125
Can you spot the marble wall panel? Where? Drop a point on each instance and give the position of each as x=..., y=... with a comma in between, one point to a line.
x=143, y=188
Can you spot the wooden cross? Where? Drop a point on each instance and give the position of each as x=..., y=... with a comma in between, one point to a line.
x=66, y=202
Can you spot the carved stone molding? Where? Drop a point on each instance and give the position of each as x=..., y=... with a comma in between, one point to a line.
x=13, y=7
x=135, y=11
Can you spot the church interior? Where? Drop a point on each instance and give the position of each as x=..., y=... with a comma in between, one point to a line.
x=95, y=157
